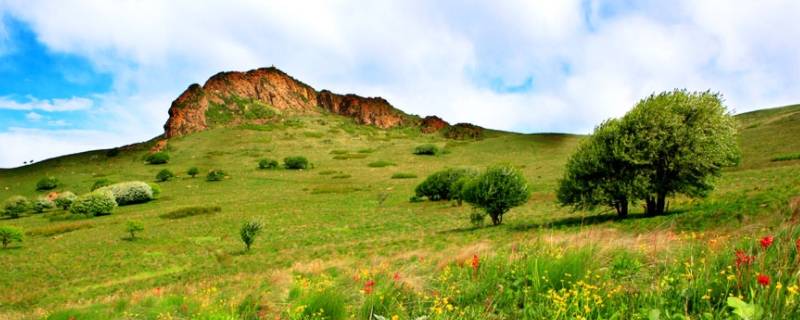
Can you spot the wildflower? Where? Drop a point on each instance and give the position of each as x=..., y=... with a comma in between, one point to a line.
x=779, y=285
x=742, y=258
x=368, y=286
x=763, y=279
x=475, y=262
x=766, y=242
x=797, y=244
x=396, y=276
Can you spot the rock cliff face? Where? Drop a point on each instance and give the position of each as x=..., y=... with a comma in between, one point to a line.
x=257, y=95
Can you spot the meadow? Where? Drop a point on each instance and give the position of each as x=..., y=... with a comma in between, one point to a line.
x=342, y=240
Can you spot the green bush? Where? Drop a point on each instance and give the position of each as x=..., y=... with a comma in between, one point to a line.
x=497, y=190
x=426, y=149
x=16, y=206
x=41, y=204
x=193, y=172
x=787, y=157
x=97, y=203
x=438, y=186
x=295, y=163
x=130, y=192
x=156, y=189
x=268, y=164
x=189, y=212
x=65, y=199
x=132, y=227
x=215, y=175
x=158, y=158
x=164, y=175
x=101, y=183
x=48, y=183
x=9, y=234
x=249, y=232
x=403, y=175
x=381, y=164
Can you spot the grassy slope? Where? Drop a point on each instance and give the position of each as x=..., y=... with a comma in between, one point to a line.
x=317, y=222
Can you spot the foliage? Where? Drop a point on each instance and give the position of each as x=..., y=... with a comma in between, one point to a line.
x=130, y=192
x=164, y=175
x=476, y=218
x=426, y=149
x=101, y=183
x=439, y=185
x=268, y=164
x=403, y=175
x=41, y=204
x=160, y=157
x=65, y=199
x=47, y=183
x=97, y=203
x=56, y=229
x=787, y=157
x=16, y=206
x=113, y=152
x=295, y=162
x=193, y=172
x=190, y=211
x=133, y=226
x=9, y=234
x=249, y=232
x=381, y=164
x=216, y=175
x=497, y=190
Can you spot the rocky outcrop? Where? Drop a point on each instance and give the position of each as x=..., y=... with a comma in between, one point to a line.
x=431, y=124
x=233, y=97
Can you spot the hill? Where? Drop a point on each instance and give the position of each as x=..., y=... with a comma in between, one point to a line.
x=348, y=220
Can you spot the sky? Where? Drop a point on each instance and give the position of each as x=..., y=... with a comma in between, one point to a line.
x=83, y=75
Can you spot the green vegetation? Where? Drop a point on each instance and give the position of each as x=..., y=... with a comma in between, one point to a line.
x=497, y=190
x=267, y=164
x=462, y=131
x=41, y=204
x=96, y=203
x=403, y=175
x=381, y=164
x=65, y=199
x=249, y=231
x=48, y=183
x=132, y=227
x=157, y=158
x=426, y=150
x=193, y=172
x=164, y=175
x=216, y=175
x=101, y=183
x=190, y=211
x=787, y=157
x=9, y=234
x=295, y=163
x=131, y=192
x=439, y=185
x=15, y=206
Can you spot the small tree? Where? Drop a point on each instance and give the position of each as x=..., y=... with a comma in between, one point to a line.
x=215, y=175
x=133, y=227
x=295, y=163
x=164, y=175
x=9, y=234
x=16, y=206
x=193, y=172
x=497, y=190
x=441, y=185
x=157, y=158
x=48, y=183
x=41, y=204
x=249, y=232
x=426, y=150
x=65, y=199
x=267, y=164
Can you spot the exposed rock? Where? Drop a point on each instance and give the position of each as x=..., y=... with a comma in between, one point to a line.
x=159, y=146
x=431, y=124
x=233, y=97
x=463, y=131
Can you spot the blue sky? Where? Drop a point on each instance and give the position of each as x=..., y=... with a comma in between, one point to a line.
x=79, y=75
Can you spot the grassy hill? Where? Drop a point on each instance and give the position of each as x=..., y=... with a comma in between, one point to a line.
x=347, y=219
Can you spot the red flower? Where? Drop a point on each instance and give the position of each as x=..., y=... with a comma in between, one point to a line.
x=475, y=262
x=368, y=286
x=797, y=244
x=763, y=279
x=743, y=258
x=766, y=242
x=396, y=276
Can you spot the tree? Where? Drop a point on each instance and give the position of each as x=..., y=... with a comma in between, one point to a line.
x=133, y=227
x=596, y=175
x=249, y=232
x=164, y=175
x=442, y=185
x=497, y=190
x=16, y=206
x=193, y=172
x=10, y=234
x=677, y=141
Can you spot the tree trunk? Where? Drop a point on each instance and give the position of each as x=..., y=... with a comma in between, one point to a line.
x=622, y=208
x=650, y=209
x=661, y=203
x=496, y=218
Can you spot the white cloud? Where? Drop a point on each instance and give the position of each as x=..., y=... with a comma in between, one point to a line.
x=432, y=57
x=53, y=105
x=33, y=116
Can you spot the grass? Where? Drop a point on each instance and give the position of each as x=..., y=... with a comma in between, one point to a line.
x=337, y=234
x=190, y=211
x=787, y=157
x=381, y=164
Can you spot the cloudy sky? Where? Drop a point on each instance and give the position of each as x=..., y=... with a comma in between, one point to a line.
x=80, y=75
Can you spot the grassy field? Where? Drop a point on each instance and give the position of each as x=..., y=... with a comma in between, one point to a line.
x=332, y=229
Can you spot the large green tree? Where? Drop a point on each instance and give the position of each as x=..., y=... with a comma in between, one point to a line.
x=497, y=190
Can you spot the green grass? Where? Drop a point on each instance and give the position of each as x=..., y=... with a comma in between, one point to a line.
x=326, y=231
x=381, y=164
x=787, y=157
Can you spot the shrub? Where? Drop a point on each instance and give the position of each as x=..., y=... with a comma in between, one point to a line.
x=65, y=199
x=101, y=183
x=156, y=189
x=295, y=163
x=190, y=211
x=403, y=175
x=249, y=232
x=787, y=157
x=158, y=158
x=41, y=204
x=415, y=198
x=133, y=227
x=438, y=186
x=268, y=164
x=16, y=206
x=215, y=175
x=476, y=218
x=48, y=183
x=193, y=172
x=112, y=152
x=497, y=190
x=130, y=192
x=164, y=175
x=9, y=234
x=426, y=149
x=97, y=203
x=381, y=164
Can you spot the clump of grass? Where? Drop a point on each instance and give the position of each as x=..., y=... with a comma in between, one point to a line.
x=313, y=134
x=52, y=230
x=341, y=176
x=381, y=164
x=350, y=156
x=190, y=211
x=367, y=150
x=327, y=172
x=334, y=189
x=787, y=157
x=403, y=175
x=338, y=152
x=426, y=150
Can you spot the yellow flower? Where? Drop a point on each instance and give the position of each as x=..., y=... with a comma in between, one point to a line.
x=779, y=285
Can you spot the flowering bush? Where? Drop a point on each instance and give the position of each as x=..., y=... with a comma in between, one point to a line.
x=16, y=206
x=130, y=192
x=97, y=203
x=41, y=204
x=65, y=199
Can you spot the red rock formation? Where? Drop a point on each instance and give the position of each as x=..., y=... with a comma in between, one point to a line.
x=277, y=89
x=431, y=124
